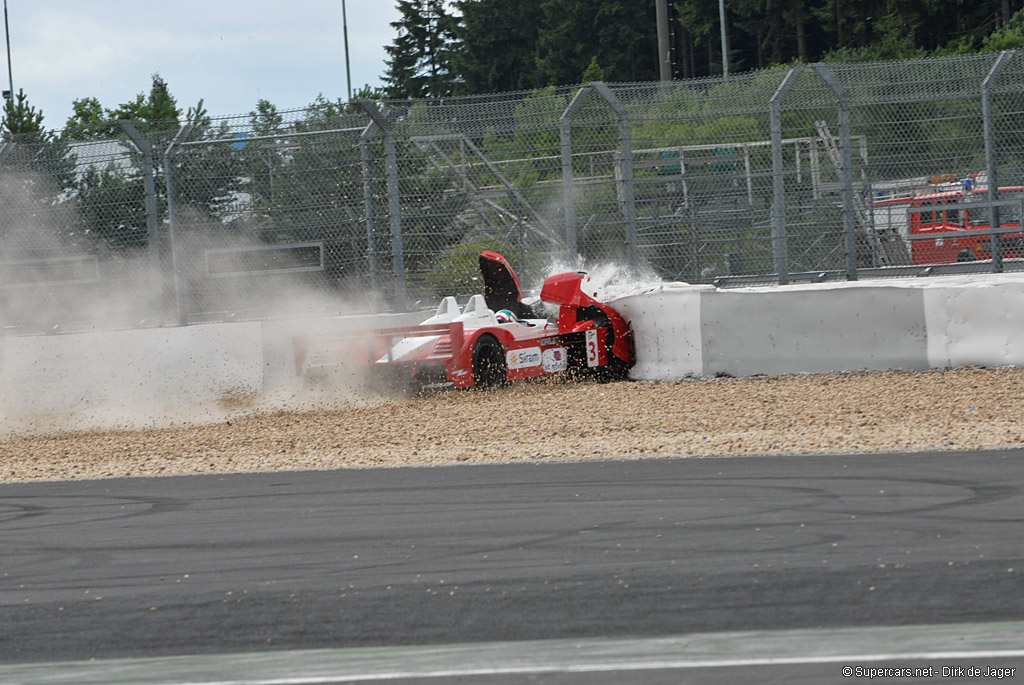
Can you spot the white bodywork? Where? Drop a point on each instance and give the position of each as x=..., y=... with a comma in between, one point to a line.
x=475, y=315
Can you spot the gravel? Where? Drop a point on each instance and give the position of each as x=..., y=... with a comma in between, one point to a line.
x=968, y=408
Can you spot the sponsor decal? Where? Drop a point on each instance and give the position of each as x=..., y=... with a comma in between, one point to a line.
x=523, y=359
x=555, y=360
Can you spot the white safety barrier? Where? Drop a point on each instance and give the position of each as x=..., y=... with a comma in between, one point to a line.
x=910, y=324
x=157, y=375
x=114, y=376
x=978, y=325
x=680, y=331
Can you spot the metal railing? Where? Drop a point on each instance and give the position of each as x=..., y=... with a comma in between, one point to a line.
x=767, y=177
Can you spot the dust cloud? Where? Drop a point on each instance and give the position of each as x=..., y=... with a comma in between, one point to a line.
x=89, y=334
x=608, y=279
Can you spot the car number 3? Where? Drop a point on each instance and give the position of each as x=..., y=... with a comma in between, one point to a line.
x=592, y=356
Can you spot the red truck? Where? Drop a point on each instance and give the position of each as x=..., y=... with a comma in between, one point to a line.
x=938, y=221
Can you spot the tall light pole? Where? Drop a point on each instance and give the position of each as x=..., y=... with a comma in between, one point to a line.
x=725, y=44
x=664, y=50
x=7, y=33
x=344, y=30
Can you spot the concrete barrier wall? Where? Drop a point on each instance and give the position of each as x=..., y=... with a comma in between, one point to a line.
x=145, y=375
x=127, y=373
x=877, y=325
x=982, y=325
x=746, y=332
x=666, y=330
x=680, y=331
x=813, y=331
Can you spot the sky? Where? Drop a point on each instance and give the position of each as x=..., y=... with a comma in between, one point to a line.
x=230, y=53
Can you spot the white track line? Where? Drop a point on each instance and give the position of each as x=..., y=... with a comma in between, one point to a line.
x=919, y=644
x=611, y=668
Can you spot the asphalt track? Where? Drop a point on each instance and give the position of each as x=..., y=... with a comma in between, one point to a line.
x=715, y=569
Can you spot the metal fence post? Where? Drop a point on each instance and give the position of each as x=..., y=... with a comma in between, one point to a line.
x=846, y=169
x=394, y=204
x=172, y=221
x=5, y=149
x=780, y=248
x=625, y=181
x=368, y=209
x=149, y=187
x=568, y=179
x=988, y=126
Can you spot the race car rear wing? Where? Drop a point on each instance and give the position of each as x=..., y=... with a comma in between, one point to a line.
x=316, y=352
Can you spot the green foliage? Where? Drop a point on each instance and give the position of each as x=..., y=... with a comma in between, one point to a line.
x=420, y=58
x=627, y=45
x=367, y=92
x=212, y=170
x=1008, y=37
x=21, y=121
x=497, y=45
x=265, y=119
x=38, y=151
x=111, y=199
x=894, y=40
x=533, y=142
x=707, y=116
x=618, y=33
x=457, y=272
x=322, y=114
x=593, y=72
x=112, y=206
x=429, y=214
x=158, y=111
x=302, y=188
x=89, y=121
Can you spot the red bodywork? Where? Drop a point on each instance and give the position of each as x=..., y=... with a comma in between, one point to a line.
x=587, y=335
x=565, y=290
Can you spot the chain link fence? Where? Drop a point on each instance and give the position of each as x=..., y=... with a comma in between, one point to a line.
x=837, y=171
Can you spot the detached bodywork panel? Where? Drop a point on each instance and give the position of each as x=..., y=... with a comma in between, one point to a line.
x=468, y=347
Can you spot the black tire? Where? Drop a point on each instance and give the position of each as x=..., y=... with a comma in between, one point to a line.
x=488, y=363
x=616, y=369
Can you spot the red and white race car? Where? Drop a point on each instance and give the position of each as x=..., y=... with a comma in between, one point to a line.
x=497, y=338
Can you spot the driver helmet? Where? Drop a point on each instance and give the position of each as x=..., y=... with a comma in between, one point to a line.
x=505, y=316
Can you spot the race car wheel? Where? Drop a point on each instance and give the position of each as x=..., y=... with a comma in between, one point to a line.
x=488, y=362
x=616, y=369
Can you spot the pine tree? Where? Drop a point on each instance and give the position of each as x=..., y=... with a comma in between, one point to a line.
x=420, y=58
x=37, y=150
x=158, y=111
x=593, y=72
x=88, y=121
x=497, y=49
x=619, y=33
x=21, y=121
